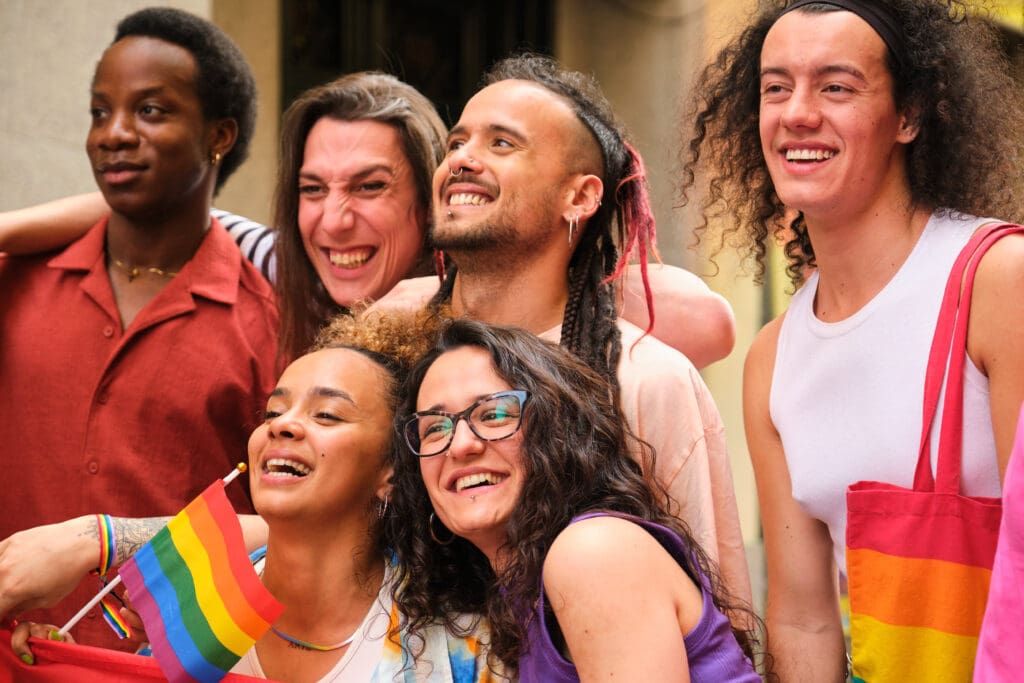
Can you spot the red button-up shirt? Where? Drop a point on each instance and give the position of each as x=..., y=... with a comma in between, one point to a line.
x=132, y=422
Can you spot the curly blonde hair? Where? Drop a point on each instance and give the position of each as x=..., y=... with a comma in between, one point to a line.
x=400, y=336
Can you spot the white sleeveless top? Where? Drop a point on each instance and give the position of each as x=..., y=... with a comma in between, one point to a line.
x=846, y=397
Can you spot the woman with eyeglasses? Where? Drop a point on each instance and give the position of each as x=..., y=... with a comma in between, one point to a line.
x=320, y=467
x=517, y=499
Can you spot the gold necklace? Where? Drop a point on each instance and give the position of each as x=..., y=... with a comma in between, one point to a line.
x=134, y=271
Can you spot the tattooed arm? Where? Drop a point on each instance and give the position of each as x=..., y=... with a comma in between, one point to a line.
x=130, y=534
x=39, y=566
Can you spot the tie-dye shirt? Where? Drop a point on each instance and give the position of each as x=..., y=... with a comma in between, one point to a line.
x=445, y=658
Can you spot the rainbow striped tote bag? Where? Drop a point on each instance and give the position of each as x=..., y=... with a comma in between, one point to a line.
x=919, y=560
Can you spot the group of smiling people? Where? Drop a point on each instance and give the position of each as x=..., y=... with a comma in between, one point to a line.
x=370, y=593
x=460, y=500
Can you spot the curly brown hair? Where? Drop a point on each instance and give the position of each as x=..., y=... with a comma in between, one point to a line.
x=401, y=336
x=576, y=448
x=951, y=71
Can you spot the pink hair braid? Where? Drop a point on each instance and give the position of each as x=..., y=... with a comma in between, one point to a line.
x=637, y=231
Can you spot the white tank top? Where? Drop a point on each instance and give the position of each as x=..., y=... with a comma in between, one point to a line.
x=846, y=397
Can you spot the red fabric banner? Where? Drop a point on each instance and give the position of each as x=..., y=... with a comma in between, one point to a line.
x=62, y=662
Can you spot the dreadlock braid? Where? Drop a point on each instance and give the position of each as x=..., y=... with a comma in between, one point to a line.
x=589, y=327
x=577, y=299
x=444, y=292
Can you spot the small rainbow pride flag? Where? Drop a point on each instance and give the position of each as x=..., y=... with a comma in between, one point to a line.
x=111, y=613
x=197, y=594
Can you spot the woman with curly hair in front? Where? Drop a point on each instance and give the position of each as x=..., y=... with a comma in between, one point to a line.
x=517, y=498
x=869, y=136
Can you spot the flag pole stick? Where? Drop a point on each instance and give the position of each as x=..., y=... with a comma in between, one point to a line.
x=89, y=605
x=239, y=468
x=116, y=581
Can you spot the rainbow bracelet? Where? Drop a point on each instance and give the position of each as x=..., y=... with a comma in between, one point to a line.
x=107, y=554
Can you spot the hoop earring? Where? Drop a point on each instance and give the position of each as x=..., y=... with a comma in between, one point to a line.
x=433, y=534
x=383, y=508
x=574, y=224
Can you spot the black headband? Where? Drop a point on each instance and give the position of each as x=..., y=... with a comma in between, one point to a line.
x=876, y=14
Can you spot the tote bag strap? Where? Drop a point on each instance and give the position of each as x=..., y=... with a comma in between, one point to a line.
x=938, y=358
x=949, y=346
x=947, y=475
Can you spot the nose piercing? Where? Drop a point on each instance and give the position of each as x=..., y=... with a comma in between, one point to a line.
x=455, y=174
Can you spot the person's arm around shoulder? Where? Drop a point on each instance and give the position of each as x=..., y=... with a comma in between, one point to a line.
x=50, y=225
x=994, y=336
x=622, y=602
x=804, y=625
x=688, y=316
x=410, y=294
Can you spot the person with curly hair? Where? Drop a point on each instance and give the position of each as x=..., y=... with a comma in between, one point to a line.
x=515, y=498
x=321, y=464
x=874, y=137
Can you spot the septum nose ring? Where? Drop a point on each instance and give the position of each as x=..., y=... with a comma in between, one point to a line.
x=456, y=174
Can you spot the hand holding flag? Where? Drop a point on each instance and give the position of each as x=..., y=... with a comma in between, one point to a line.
x=197, y=594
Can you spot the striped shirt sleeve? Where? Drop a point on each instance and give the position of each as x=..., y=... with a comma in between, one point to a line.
x=256, y=241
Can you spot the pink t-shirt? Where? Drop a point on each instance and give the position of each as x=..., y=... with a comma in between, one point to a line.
x=668, y=405
x=1001, y=646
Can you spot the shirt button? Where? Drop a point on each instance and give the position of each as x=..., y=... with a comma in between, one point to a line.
x=108, y=331
x=91, y=614
x=93, y=467
x=103, y=397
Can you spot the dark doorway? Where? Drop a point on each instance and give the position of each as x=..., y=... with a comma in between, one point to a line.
x=439, y=46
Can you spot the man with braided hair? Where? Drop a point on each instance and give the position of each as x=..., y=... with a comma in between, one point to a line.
x=537, y=206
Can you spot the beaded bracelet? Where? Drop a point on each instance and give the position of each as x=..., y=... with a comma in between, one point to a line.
x=107, y=554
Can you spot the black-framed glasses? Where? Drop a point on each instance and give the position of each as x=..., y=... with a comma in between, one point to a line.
x=492, y=418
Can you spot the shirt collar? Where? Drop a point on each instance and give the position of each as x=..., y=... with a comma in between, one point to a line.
x=212, y=272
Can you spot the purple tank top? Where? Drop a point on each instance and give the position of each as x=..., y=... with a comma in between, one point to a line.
x=712, y=653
